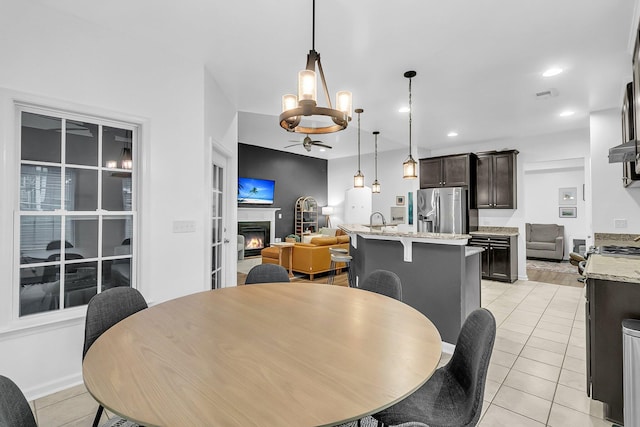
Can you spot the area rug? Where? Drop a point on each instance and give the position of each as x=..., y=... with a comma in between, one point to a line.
x=244, y=265
x=558, y=267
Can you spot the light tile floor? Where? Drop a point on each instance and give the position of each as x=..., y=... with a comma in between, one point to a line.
x=536, y=377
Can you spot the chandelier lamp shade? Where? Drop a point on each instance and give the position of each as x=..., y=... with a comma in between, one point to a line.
x=375, y=187
x=358, y=178
x=410, y=166
x=294, y=108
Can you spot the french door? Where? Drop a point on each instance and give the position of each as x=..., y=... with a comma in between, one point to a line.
x=218, y=223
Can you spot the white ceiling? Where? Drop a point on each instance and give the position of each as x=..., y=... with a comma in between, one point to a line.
x=479, y=63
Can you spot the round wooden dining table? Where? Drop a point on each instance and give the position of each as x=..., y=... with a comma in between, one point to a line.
x=279, y=354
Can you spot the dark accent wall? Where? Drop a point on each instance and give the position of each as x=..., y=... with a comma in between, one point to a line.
x=295, y=176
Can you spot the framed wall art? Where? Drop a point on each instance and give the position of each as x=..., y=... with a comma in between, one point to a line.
x=567, y=196
x=568, y=212
x=399, y=200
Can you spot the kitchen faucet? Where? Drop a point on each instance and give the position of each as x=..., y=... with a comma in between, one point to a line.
x=384, y=223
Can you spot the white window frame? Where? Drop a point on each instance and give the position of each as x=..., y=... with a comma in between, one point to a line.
x=100, y=120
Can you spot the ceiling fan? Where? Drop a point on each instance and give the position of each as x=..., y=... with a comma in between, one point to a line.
x=307, y=143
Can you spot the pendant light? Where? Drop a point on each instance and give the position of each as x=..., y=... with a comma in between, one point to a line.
x=410, y=166
x=293, y=108
x=375, y=187
x=358, y=178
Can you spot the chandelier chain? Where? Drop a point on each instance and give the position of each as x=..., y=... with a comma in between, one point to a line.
x=313, y=27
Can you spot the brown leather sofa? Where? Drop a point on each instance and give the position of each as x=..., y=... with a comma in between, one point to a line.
x=309, y=258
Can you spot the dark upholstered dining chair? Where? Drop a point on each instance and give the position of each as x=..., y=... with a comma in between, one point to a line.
x=453, y=395
x=14, y=408
x=383, y=282
x=56, y=244
x=105, y=310
x=16, y=412
x=267, y=273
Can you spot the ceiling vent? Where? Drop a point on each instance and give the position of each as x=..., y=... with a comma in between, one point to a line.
x=550, y=93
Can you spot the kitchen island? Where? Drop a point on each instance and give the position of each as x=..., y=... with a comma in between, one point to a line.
x=612, y=295
x=440, y=275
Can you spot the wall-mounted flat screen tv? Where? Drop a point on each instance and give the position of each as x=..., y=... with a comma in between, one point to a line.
x=253, y=191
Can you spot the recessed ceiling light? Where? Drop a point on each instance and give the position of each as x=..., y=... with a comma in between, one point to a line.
x=452, y=134
x=552, y=72
x=322, y=150
x=403, y=110
x=567, y=113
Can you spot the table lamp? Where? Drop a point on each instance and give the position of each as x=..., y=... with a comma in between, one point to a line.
x=327, y=211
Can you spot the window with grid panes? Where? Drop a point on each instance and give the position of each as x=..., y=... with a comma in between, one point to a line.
x=76, y=216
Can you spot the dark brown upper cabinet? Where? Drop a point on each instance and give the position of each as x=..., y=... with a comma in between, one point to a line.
x=496, y=180
x=448, y=171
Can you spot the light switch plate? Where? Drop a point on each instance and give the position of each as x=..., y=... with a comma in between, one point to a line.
x=620, y=223
x=187, y=226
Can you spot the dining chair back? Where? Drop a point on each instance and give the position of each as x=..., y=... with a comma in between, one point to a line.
x=383, y=282
x=14, y=408
x=267, y=273
x=453, y=395
x=105, y=310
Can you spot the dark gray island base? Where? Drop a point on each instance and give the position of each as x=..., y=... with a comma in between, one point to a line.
x=441, y=280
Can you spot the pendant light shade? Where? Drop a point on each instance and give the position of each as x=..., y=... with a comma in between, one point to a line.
x=410, y=166
x=375, y=187
x=358, y=178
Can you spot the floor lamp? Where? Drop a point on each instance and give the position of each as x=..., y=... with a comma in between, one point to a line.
x=327, y=211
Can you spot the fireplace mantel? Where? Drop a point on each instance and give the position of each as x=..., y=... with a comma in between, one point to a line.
x=260, y=214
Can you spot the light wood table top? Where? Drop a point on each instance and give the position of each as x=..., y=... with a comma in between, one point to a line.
x=282, y=354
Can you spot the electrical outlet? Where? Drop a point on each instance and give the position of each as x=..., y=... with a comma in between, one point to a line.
x=279, y=216
x=184, y=226
x=620, y=223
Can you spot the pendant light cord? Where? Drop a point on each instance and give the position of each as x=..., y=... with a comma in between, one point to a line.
x=358, y=141
x=409, y=116
x=376, y=157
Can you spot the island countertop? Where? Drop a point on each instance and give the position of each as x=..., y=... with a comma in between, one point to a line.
x=392, y=233
x=617, y=269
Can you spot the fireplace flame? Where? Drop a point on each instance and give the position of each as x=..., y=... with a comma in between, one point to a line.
x=254, y=243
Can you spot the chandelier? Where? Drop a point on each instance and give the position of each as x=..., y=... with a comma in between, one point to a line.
x=305, y=104
x=358, y=178
x=409, y=166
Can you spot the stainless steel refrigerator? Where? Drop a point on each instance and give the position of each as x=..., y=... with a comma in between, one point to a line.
x=443, y=210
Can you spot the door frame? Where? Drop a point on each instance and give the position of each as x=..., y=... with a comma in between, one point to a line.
x=228, y=277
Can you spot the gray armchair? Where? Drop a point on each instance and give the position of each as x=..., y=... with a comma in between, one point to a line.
x=240, y=247
x=545, y=241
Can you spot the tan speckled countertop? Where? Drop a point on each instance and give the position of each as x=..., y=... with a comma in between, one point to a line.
x=618, y=269
x=392, y=232
x=604, y=239
x=496, y=231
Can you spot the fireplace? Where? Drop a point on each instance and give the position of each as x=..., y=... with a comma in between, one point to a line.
x=256, y=236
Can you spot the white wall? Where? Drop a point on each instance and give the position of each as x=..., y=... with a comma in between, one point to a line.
x=341, y=171
x=610, y=199
x=53, y=59
x=542, y=183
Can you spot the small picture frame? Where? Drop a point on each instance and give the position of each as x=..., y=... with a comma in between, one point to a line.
x=399, y=200
x=567, y=196
x=568, y=212
x=397, y=215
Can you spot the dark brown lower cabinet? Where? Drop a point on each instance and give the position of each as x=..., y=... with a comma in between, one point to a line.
x=608, y=303
x=499, y=261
